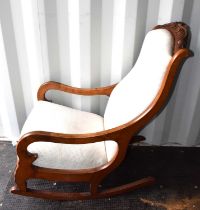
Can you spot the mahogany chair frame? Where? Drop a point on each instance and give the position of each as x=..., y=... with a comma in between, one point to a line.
x=122, y=135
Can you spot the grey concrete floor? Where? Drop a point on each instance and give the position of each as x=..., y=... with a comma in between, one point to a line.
x=7, y=164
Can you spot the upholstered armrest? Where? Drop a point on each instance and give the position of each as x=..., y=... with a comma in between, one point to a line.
x=66, y=88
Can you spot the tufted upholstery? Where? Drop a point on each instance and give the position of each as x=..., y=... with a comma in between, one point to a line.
x=128, y=100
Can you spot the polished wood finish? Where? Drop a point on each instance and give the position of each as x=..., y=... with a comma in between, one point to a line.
x=123, y=135
x=85, y=195
x=69, y=89
x=180, y=32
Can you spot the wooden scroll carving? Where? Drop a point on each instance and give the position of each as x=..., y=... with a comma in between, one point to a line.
x=180, y=32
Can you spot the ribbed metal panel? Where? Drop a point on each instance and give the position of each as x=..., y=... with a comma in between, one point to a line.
x=90, y=43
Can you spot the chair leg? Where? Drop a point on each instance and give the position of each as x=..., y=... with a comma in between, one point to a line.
x=94, y=188
x=20, y=178
x=21, y=184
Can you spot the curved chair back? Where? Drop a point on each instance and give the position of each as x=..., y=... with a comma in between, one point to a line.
x=162, y=52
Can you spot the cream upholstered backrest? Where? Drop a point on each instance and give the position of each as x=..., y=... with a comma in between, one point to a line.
x=138, y=89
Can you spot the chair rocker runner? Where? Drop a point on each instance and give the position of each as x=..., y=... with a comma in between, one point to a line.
x=63, y=144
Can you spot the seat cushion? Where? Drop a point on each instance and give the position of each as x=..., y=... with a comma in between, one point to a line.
x=51, y=117
x=139, y=88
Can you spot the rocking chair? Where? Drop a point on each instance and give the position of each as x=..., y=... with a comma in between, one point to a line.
x=59, y=143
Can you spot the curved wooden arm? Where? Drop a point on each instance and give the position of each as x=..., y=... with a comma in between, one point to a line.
x=35, y=136
x=66, y=88
x=122, y=137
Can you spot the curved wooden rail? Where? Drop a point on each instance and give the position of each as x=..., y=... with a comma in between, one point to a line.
x=74, y=90
x=86, y=195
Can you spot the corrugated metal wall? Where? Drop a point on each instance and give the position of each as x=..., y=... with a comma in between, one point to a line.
x=90, y=43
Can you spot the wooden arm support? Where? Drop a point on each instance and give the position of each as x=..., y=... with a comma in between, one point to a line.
x=69, y=89
x=42, y=136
